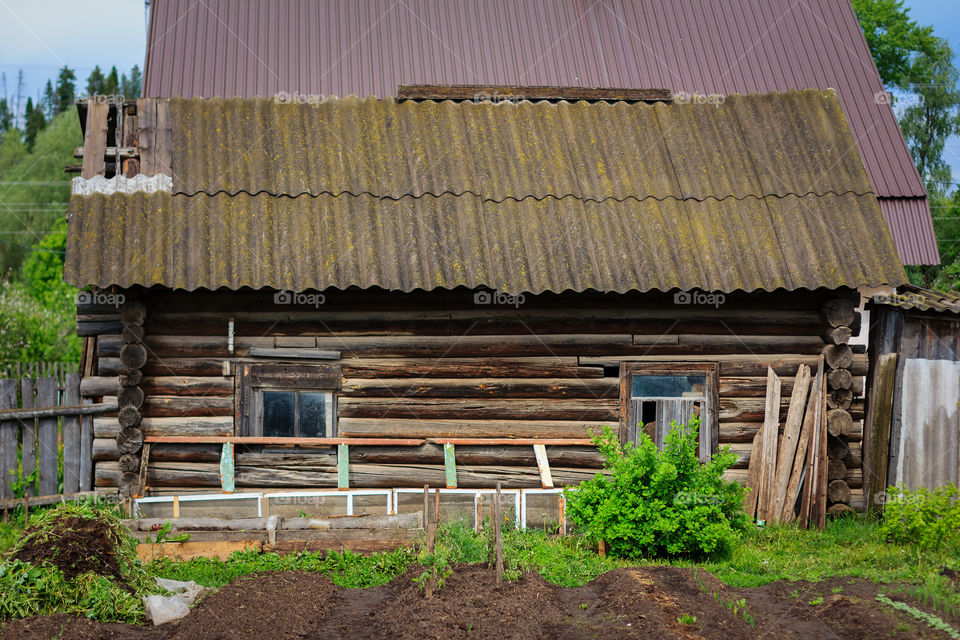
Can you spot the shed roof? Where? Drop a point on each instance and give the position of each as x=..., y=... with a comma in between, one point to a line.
x=910, y=297
x=306, y=49
x=760, y=192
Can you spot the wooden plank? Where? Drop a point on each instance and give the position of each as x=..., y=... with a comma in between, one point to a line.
x=147, y=134
x=95, y=140
x=787, y=513
x=8, y=439
x=450, y=466
x=482, y=388
x=498, y=93
x=72, y=409
x=28, y=435
x=768, y=442
x=71, y=435
x=543, y=466
x=513, y=441
x=791, y=435
x=299, y=442
x=343, y=466
x=877, y=427
x=526, y=408
x=820, y=516
x=56, y=498
x=86, y=449
x=752, y=481
x=227, y=479
x=187, y=426
x=164, y=144
x=406, y=428
x=142, y=474
x=219, y=549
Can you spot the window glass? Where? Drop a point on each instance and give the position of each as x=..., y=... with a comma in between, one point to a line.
x=667, y=386
x=278, y=414
x=313, y=414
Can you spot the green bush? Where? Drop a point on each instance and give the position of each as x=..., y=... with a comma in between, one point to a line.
x=923, y=517
x=653, y=503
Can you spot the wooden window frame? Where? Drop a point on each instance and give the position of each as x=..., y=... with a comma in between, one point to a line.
x=253, y=378
x=710, y=422
x=256, y=425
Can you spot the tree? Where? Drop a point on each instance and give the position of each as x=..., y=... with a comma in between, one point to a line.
x=66, y=91
x=111, y=86
x=34, y=122
x=49, y=100
x=95, y=82
x=6, y=116
x=130, y=87
x=894, y=39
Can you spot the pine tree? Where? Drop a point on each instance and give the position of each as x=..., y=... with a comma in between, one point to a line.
x=130, y=87
x=35, y=122
x=111, y=85
x=49, y=100
x=95, y=82
x=66, y=91
x=6, y=116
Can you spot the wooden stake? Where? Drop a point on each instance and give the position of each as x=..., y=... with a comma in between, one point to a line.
x=426, y=505
x=602, y=548
x=791, y=436
x=498, y=533
x=788, y=514
x=771, y=428
x=26, y=511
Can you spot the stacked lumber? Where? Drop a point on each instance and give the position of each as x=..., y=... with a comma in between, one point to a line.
x=842, y=321
x=133, y=356
x=786, y=477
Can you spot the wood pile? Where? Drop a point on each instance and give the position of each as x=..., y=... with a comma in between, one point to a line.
x=787, y=475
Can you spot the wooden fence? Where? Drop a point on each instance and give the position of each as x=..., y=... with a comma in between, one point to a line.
x=43, y=424
x=58, y=370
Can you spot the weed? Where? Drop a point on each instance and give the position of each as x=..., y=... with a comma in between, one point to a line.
x=836, y=590
x=933, y=621
x=687, y=619
x=816, y=601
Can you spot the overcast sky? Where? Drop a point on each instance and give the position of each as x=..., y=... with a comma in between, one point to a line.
x=40, y=36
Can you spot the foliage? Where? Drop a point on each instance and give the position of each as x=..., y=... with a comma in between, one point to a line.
x=935, y=622
x=656, y=503
x=27, y=589
x=163, y=535
x=35, y=122
x=30, y=332
x=66, y=91
x=926, y=518
x=893, y=37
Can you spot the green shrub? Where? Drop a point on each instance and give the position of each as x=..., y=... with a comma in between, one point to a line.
x=923, y=517
x=654, y=503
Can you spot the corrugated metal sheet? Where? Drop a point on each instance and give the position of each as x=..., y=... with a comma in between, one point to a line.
x=911, y=297
x=777, y=144
x=431, y=242
x=929, y=414
x=342, y=47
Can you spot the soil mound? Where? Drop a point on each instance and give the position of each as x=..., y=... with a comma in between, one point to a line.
x=285, y=604
x=75, y=545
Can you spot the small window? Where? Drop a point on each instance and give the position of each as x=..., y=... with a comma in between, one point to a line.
x=287, y=401
x=663, y=395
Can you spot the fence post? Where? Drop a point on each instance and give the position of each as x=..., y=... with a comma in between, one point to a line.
x=48, y=395
x=8, y=438
x=71, y=436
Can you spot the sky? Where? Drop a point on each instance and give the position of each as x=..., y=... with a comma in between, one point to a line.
x=40, y=36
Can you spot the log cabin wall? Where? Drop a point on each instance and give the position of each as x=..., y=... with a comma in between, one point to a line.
x=440, y=365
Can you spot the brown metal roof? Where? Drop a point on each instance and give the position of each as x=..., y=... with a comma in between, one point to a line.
x=519, y=197
x=339, y=47
x=777, y=144
x=920, y=299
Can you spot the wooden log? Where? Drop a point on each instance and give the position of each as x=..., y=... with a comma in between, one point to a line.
x=56, y=411
x=837, y=335
x=744, y=364
x=369, y=521
x=130, y=440
x=839, y=422
x=189, y=426
x=836, y=470
x=106, y=449
x=133, y=313
x=130, y=397
x=130, y=377
x=768, y=442
x=799, y=463
x=406, y=428
x=840, y=509
x=468, y=368
x=838, y=356
x=199, y=524
x=838, y=491
x=133, y=356
x=98, y=386
x=131, y=334
x=839, y=379
x=838, y=312
x=169, y=406
x=129, y=463
x=481, y=408
x=129, y=417
x=482, y=388
x=752, y=410
x=186, y=386
x=788, y=444
x=837, y=448
x=839, y=399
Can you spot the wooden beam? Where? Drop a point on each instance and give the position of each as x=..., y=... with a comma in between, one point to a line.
x=299, y=442
x=54, y=411
x=297, y=354
x=450, y=466
x=543, y=466
x=519, y=92
x=513, y=441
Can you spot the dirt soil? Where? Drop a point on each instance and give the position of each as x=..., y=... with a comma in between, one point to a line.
x=642, y=602
x=81, y=545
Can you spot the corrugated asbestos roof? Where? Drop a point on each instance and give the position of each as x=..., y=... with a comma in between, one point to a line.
x=762, y=192
x=920, y=299
x=339, y=47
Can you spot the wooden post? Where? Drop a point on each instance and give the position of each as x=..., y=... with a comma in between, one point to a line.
x=426, y=505
x=498, y=534
x=602, y=548
x=450, y=465
x=71, y=436
x=771, y=428
x=26, y=511
x=227, y=483
x=343, y=466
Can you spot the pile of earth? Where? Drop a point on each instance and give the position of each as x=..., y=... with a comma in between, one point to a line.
x=639, y=602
